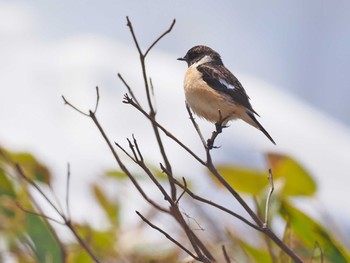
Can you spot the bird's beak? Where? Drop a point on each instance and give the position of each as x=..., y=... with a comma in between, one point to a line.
x=181, y=59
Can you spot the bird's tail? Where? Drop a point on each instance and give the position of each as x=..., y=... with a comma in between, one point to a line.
x=254, y=122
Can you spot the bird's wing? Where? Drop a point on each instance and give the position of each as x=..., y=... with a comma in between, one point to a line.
x=222, y=80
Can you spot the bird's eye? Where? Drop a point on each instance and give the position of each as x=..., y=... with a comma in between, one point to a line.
x=193, y=55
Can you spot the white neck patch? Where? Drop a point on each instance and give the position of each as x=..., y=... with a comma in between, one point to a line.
x=203, y=60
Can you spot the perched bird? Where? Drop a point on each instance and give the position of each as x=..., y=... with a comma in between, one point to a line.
x=213, y=92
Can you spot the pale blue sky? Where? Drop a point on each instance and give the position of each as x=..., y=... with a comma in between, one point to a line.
x=300, y=46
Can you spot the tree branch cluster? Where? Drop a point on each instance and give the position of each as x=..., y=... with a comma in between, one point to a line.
x=198, y=250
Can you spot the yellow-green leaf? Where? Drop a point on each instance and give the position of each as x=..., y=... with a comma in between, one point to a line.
x=111, y=209
x=244, y=179
x=32, y=167
x=116, y=174
x=6, y=187
x=46, y=245
x=308, y=231
x=297, y=180
x=258, y=255
x=287, y=239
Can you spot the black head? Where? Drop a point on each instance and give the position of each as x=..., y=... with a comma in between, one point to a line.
x=196, y=53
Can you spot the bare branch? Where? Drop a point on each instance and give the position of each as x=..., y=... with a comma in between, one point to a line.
x=67, y=192
x=97, y=99
x=267, y=206
x=26, y=210
x=160, y=37
x=31, y=182
x=196, y=125
x=211, y=203
x=227, y=258
x=59, y=206
x=67, y=221
x=131, y=146
x=130, y=101
x=152, y=113
x=126, y=153
x=123, y=167
x=134, y=36
x=82, y=242
x=137, y=148
x=73, y=107
x=154, y=104
x=185, y=186
x=168, y=236
x=129, y=89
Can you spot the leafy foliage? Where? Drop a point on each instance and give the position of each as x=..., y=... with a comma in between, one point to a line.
x=32, y=239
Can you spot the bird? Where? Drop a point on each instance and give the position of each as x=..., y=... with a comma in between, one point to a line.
x=213, y=92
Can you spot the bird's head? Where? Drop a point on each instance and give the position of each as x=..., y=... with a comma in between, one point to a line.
x=200, y=55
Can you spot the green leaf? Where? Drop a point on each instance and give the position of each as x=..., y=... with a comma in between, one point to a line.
x=244, y=252
x=79, y=255
x=47, y=247
x=116, y=174
x=297, y=181
x=309, y=231
x=258, y=255
x=102, y=243
x=33, y=168
x=244, y=179
x=111, y=209
x=288, y=240
x=6, y=186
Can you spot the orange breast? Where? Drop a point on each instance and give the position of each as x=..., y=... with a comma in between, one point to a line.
x=205, y=101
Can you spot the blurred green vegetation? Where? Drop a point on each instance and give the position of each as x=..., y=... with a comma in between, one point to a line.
x=30, y=238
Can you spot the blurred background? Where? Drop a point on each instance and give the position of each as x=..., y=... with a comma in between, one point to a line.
x=293, y=59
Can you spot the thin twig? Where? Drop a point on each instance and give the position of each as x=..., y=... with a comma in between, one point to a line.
x=59, y=206
x=125, y=151
x=130, y=101
x=67, y=221
x=97, y=99
x=26, y=210
x=133, y=35
x=131, y=146
x=267, y=206
x=227, y=258
x=123, y=167
x=72, y=106
x=168, y=236
x=116, y=157
x=152, y=113
x=67, y=192
x=220, y=207
x=266, y=238
x=154, y=104
x=129, y=89
x=82, y=242
x=185, y=186
x=160, y=37
x=137, y=148
x=209, y=164
x=196, y=127
x=31, y=182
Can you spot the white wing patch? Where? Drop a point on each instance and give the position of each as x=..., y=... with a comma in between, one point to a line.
x=225, y=83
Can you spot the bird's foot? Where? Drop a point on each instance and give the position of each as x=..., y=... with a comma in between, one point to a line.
x=210, y=144
x=219, y=127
